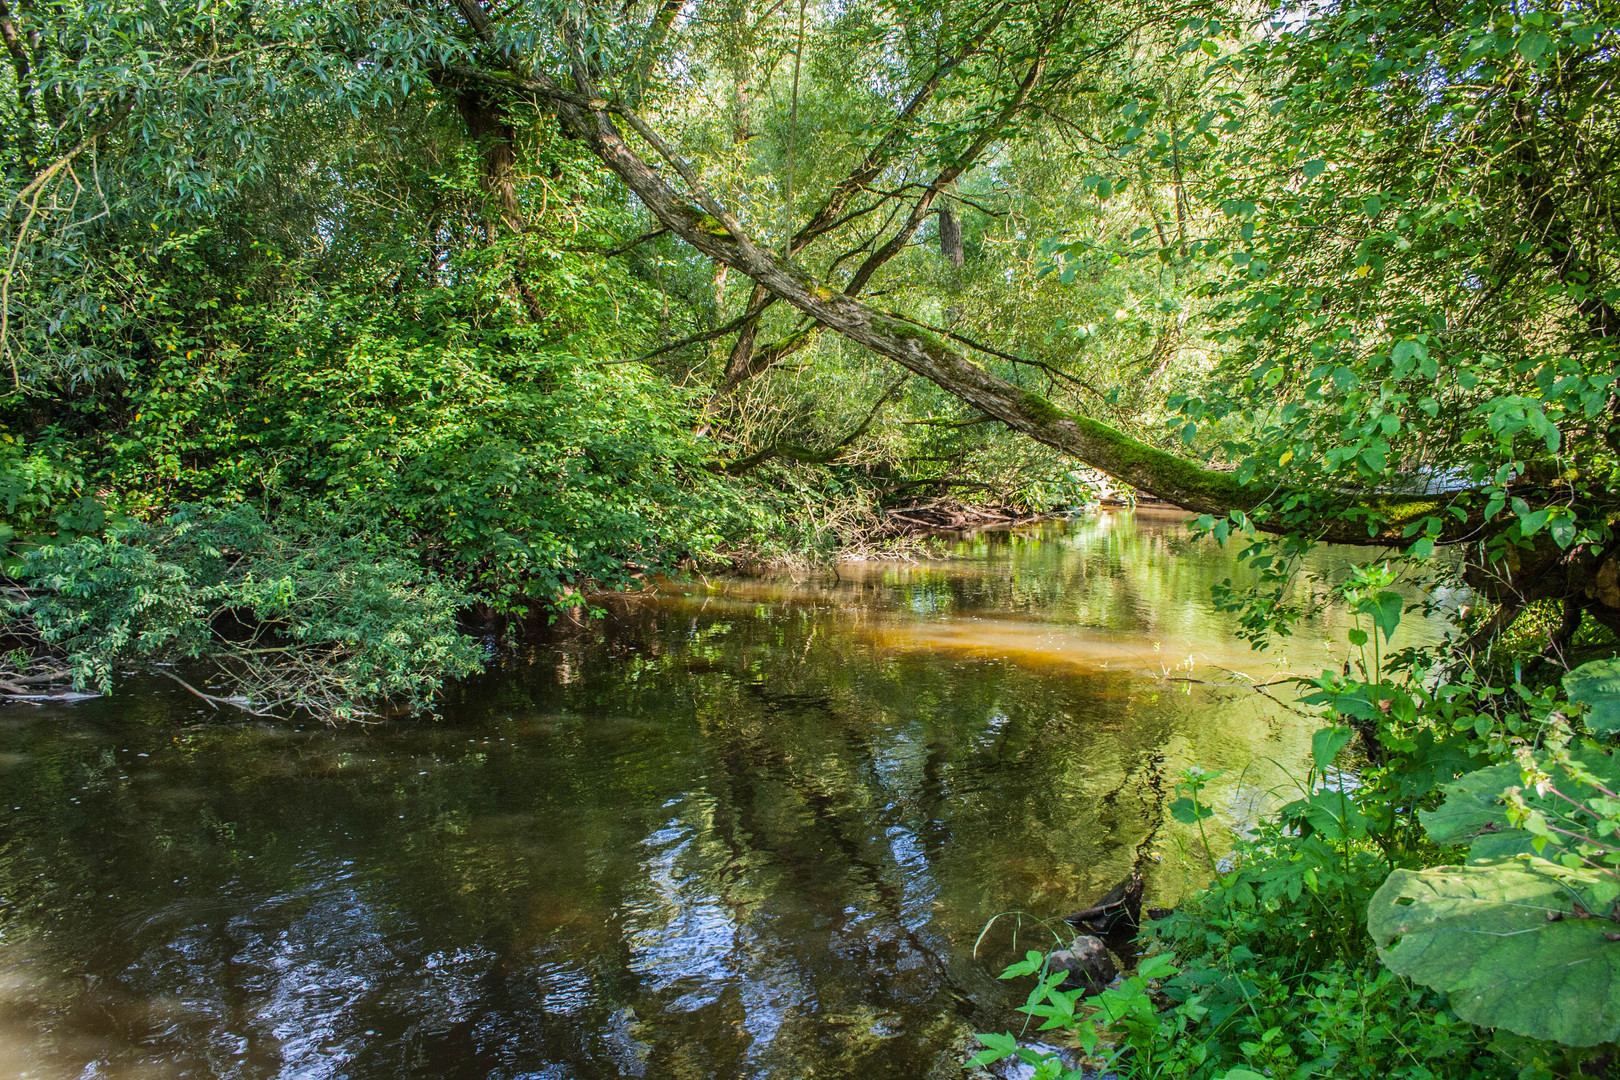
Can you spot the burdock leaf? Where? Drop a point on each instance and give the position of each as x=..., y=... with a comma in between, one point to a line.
x=1473, y=806
x=1507, y=941
x=1597, y=686
x=1473, y=812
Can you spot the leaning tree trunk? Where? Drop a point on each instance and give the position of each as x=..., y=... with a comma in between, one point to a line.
x=1334, y=516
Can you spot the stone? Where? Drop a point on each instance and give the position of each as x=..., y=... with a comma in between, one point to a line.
x=1086, y=963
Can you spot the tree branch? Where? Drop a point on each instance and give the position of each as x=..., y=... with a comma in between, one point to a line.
x=589, y=118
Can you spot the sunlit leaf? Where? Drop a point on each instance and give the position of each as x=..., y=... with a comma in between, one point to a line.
x=1504, y=939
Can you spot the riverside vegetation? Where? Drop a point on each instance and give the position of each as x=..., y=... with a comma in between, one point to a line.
x=335, y=333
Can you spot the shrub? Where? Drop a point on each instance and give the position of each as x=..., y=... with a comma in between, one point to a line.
x=298, y=615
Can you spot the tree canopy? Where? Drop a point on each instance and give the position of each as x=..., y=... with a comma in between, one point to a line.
x=546, y=296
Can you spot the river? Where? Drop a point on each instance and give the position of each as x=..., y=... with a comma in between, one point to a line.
x=736, y=828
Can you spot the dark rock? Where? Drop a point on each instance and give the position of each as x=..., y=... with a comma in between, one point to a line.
x=1118, y=914
x=1155, y=913
x=1086, y=964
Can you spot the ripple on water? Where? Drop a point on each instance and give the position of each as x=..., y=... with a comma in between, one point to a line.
x=751, y=828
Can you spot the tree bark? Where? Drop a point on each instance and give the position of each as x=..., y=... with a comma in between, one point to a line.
x=950, y=238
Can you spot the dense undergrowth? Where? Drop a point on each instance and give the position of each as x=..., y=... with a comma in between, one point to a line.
x=1388, y=919
x=317, y=477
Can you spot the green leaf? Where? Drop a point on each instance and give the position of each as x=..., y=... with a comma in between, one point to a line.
x=1502, y=938
x=1328, y=812
x=1156, y=966
x=1385, y=608
x=1030, y=964
x=1314, y=168
x=1472, y=806
x=1533, y=46
x=1408, y=350
x=1243, y=1074
x=1563, y=530
x=1188, y=812
x=1326, y=744
x=996, y=1048
x=1597, y=686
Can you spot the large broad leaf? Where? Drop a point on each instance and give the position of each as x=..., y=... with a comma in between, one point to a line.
x=1597, y=686
x=1473, y=808
x=1473, y=812
x=1504, y=938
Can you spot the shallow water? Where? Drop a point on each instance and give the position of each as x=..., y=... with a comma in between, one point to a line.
x=740, y=829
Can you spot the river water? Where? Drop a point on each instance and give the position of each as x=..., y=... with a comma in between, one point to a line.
x=740, y=828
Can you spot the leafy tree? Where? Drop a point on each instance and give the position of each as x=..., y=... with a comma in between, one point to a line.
x=1454, y=288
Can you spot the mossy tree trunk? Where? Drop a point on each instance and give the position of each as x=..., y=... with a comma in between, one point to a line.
x=1365, y=518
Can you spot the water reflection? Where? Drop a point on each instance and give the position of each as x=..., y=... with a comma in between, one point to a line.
x=744, y=829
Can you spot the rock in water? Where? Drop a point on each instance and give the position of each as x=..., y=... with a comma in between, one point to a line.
x=1086, y=964
x=1117, y=914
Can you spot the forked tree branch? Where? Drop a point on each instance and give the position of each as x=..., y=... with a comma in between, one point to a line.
x=589, y=117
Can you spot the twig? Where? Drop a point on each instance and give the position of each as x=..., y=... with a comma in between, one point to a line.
x=1259, y=688
x=215, y=702
x=981, y=347
x=631, y=246
x=707, y=335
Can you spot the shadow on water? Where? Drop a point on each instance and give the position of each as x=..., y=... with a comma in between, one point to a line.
x=743, y=829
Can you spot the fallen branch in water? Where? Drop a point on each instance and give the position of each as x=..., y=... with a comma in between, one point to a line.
x=1259, y=688
x=214, y=701
x=68, y=696
x=38, y=679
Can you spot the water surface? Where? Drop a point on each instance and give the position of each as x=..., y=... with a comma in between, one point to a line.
x=745, y=828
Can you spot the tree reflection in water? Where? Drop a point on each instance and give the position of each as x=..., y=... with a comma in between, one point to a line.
x=749, y=830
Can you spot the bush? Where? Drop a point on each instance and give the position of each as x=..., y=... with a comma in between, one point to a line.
x=299, y=615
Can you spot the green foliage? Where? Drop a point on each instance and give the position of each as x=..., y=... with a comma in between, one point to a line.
x=1523, y=935
x=302, y=617
x=528, y=472
x=1408, y=349
x=1596, y=685
x=297, y=256
x=1262, y=982
x=1511, y=941
x=43, y=489
x=1127, y=1010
